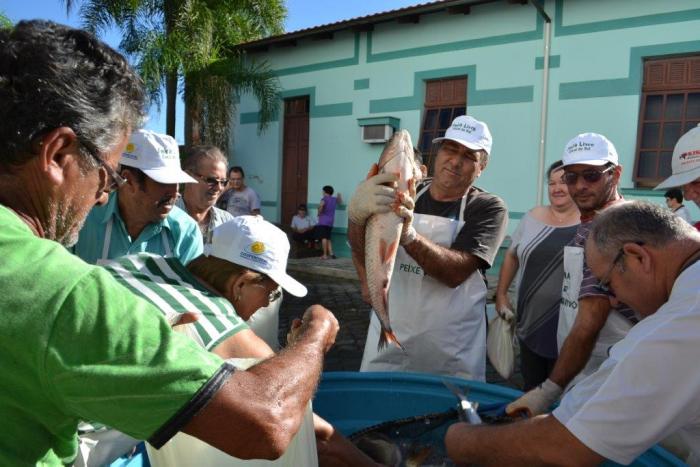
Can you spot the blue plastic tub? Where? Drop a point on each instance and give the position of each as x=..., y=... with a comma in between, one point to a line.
x=352, y=401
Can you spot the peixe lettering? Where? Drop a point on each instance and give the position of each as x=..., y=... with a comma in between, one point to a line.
x=411, y=268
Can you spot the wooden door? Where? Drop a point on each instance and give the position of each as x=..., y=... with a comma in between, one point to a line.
x=295, y=156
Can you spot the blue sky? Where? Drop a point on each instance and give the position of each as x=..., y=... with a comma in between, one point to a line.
x=301, y=14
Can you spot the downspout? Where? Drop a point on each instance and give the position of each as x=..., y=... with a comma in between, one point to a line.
x=545, y=98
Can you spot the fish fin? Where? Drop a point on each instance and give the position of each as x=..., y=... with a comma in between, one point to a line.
x=387, y=336
x=390, y=251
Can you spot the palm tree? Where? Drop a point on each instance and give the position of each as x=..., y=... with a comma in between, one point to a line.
x=193, y=42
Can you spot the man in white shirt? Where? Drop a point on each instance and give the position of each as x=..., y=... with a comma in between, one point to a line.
x=674, y=201
x=648, y=388
x=303, y=226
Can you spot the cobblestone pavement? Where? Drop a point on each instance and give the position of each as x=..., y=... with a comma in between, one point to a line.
x=342, y=297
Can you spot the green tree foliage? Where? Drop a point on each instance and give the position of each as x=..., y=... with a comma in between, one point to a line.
x=191, y=46
x=4, y=21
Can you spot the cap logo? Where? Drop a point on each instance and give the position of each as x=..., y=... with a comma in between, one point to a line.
x=579, y=146
x=257, y=247
x=460, y=126
x=131, y=147
x=253, y=252
x=688, y=154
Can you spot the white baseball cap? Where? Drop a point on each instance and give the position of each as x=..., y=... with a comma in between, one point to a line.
x=469, y=132
x=589, y=149
x=254, y=243
x=157, y=156
x=685, y=162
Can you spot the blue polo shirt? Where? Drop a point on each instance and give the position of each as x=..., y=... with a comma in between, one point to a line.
x=180, y=231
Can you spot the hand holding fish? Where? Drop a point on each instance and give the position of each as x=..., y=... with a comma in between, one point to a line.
x=405, y=211
x=373, y=196
x=386, y=230
x=536, y=401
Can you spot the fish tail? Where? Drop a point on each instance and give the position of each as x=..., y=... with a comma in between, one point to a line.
x=387, y=336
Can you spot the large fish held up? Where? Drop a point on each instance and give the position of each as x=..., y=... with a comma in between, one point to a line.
x=383, y=231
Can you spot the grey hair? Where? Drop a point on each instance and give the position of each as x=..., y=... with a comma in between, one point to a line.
x=637, y=222
x=483, y=158
x=55, y=76
x=197, y=154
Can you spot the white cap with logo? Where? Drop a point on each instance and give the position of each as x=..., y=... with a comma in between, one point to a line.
x=685, y=162
x=469, y=132
x=156, y=155
x=589, y=149
x=254, y=243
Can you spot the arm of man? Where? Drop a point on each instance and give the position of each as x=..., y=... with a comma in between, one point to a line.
x=475, y=246
x=256, y=412
x=592, y=314
x=255, y=203
x=451, y=267
x=539, y=441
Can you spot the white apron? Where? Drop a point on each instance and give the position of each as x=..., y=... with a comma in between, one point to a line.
x=443, y=330
x=615, y=328
x=184, y=450
x=108, y=240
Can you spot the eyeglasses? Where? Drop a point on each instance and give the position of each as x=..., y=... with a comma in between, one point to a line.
x=604, y=282
x=589, y=175
x=117, y=180
x=272, y=296
x=212, y=181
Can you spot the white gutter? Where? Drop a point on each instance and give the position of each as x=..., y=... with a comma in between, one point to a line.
x=544, y=101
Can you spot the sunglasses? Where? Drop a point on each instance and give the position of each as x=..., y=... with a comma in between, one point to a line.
x=589, y=175
x=212, y=181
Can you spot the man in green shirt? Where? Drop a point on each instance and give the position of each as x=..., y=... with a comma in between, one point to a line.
x=74, y=343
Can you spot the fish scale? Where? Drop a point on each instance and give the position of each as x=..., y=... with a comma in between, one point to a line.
x=383, y=231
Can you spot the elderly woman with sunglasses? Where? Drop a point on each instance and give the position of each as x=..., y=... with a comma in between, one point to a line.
x=241, y=271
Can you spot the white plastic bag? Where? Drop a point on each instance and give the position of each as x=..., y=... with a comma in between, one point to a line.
x=500, y=345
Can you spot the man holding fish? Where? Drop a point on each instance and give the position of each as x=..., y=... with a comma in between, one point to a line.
x=420, y=249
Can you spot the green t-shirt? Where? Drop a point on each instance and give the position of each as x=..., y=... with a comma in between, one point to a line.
x=75, y=344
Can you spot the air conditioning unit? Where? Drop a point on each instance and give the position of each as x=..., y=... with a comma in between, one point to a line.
x=376, y=134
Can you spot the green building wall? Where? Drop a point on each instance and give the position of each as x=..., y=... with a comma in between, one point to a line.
x=597, y=50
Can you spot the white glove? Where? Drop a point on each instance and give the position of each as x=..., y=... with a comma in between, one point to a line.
x=536, y=401
x=372, y=197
